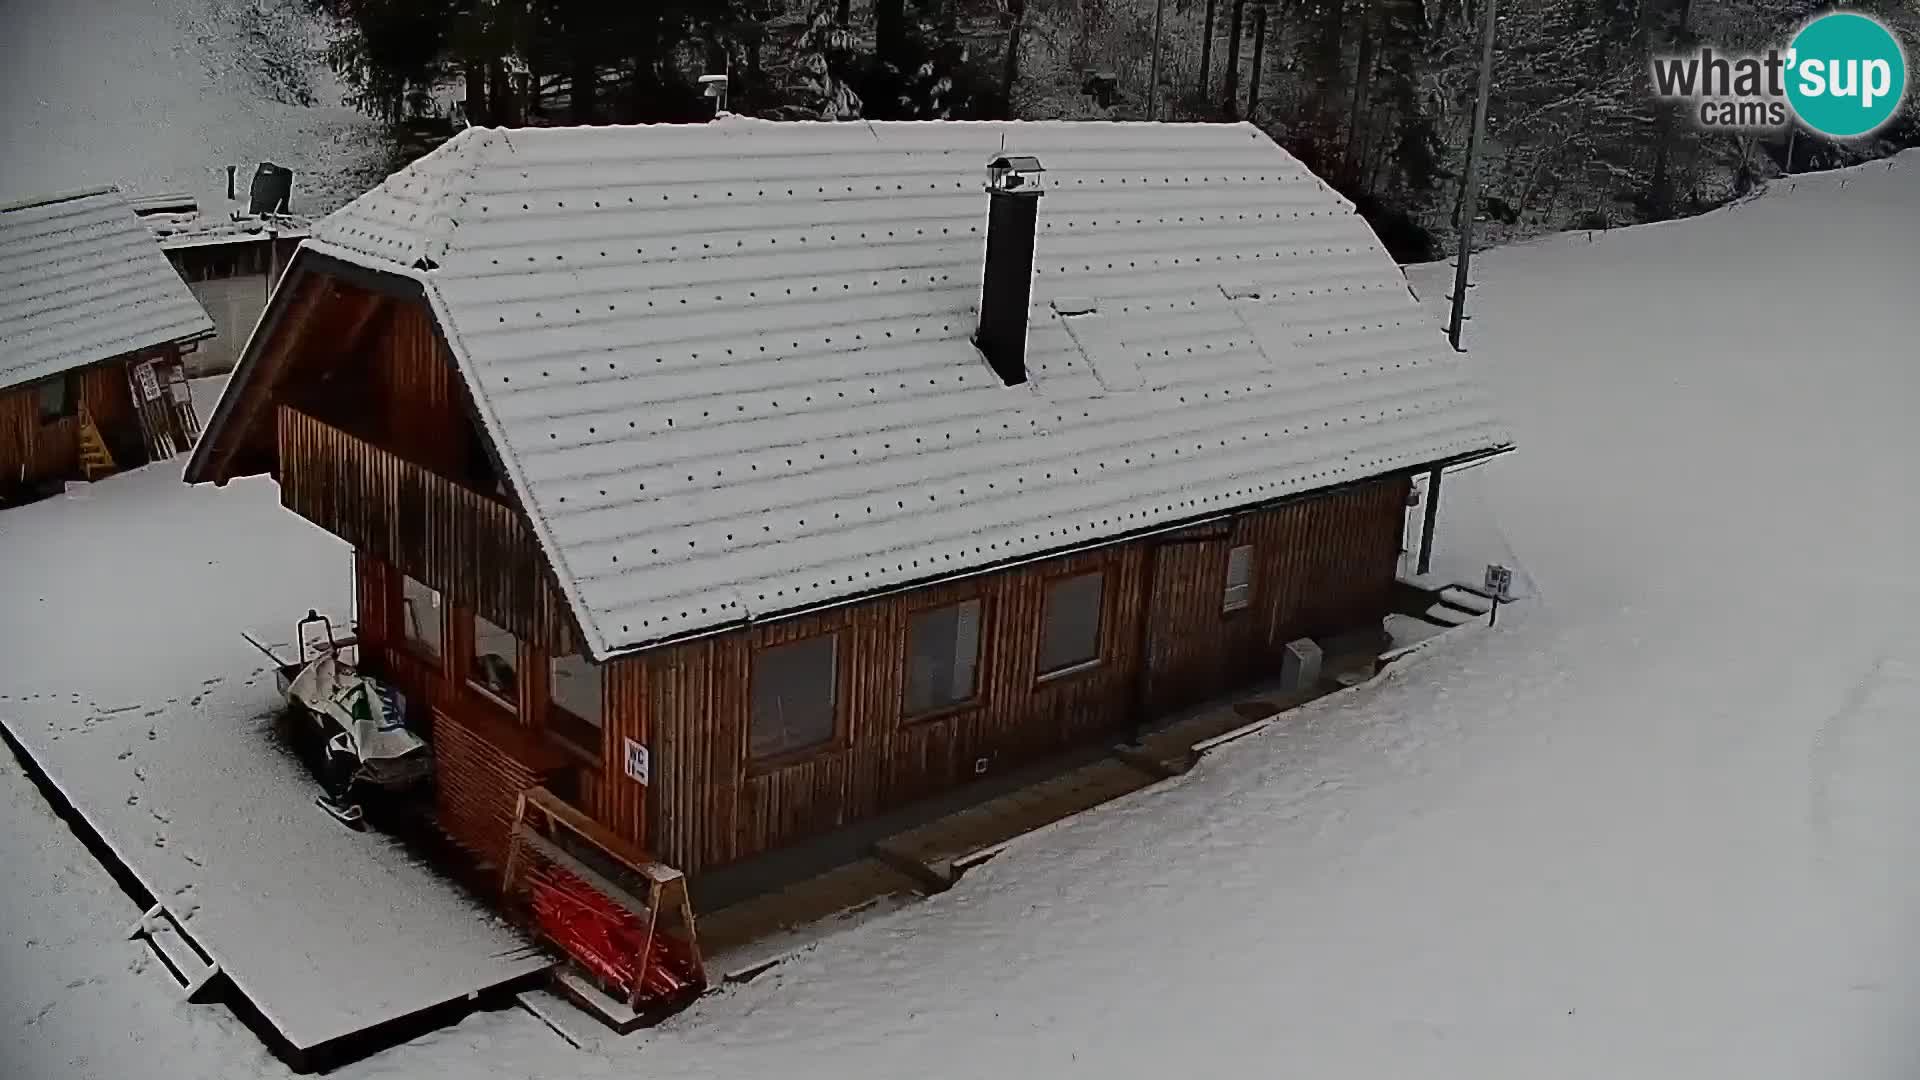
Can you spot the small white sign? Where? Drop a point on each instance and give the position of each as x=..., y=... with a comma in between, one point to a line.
x=1499, y=580
x=636, y=761
x=149, y=385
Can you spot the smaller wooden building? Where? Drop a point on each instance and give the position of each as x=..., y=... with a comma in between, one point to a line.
x=230, y=263
x=734, y=482
x=93, y=325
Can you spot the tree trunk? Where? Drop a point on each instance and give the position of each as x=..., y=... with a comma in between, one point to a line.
x=1362, y=87
x=1259, y=52
x=1206, y=50
x=584, y=83
x=500, y=94
x=1016, y=25
x=1233, y=60
x=477, y=112
x=890, y=30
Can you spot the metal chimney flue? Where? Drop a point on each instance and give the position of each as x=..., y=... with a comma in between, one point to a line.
x=1006, y=287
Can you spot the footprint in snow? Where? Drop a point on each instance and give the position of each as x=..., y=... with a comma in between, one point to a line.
x=215, y=681
x=194, y=859
x=152, y=734
x=138, y=964
x=140, y=774
x=133, y=800
x=75, y=984
x=125, y=754
x=41, y=1015
x=153, y=712
x=160, y=817
x=160, y=841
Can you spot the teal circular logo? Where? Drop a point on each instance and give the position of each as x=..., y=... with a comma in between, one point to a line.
x=1846, y=75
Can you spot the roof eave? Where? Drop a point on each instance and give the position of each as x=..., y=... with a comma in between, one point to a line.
x=647, y=645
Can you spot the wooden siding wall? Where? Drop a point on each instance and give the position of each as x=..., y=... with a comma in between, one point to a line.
x=32, y=453
x=1320, y=566
x=485, y=755
x=399, y=391
x=476, y=550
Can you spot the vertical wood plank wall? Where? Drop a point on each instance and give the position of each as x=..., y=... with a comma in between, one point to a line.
x=32, y=453
x=1321, y=566
x=474, y=549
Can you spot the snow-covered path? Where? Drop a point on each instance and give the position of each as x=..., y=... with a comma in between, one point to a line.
x=1660, y=822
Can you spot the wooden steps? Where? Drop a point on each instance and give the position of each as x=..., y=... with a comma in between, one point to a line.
x=183, y=958
x=95, y=460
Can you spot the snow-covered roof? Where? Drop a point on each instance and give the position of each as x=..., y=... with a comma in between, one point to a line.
x=728, y=366
x=176, y=231
x=82, y=280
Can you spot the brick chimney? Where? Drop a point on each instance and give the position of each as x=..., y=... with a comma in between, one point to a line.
x=1006, y=287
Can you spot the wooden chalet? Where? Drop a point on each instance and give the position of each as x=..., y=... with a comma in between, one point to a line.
x=737, y=481
x=93, y=324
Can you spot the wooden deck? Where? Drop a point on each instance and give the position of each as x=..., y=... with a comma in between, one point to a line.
x=743, y=937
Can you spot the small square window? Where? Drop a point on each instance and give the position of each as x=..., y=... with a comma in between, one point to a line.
x=1070, y=627
x=420, y=623
x=496, y=662
x=1239, y=591
x=58, y=399
x=574, y=686
x=793, y=697
x=943, y=653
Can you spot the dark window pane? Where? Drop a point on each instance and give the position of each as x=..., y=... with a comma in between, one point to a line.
x=56, y=398
x=793, y=697
x=574, y=685
x=1070, y=635
x=496, y=661
x=420, y=617
x=1239, y=590
x=943, y=650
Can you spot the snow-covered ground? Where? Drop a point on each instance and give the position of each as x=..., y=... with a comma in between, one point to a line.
x=1659, y=822
x=162, y=95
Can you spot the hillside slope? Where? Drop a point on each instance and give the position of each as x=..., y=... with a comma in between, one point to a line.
x=162, y=95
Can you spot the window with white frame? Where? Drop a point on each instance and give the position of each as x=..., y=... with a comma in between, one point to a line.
x=793, y=697
x=578, y=711
x=420, y=622
x=1239, y=589
x=1070, y=625
x=943, y=653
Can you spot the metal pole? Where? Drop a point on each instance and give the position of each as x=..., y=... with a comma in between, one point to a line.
x=1469, y=189
x=1432, y=518
x=1153, y=83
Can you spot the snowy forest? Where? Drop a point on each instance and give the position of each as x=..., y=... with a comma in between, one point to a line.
x=1376, y=95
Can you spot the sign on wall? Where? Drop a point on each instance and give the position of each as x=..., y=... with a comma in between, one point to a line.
x=149, y=385
x=1499, y=580
x=636, y=761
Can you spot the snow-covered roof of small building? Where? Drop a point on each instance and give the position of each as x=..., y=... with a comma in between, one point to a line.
x=82, y=280
x=728, y=367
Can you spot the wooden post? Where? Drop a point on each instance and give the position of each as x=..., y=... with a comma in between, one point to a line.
x=1431, y=519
